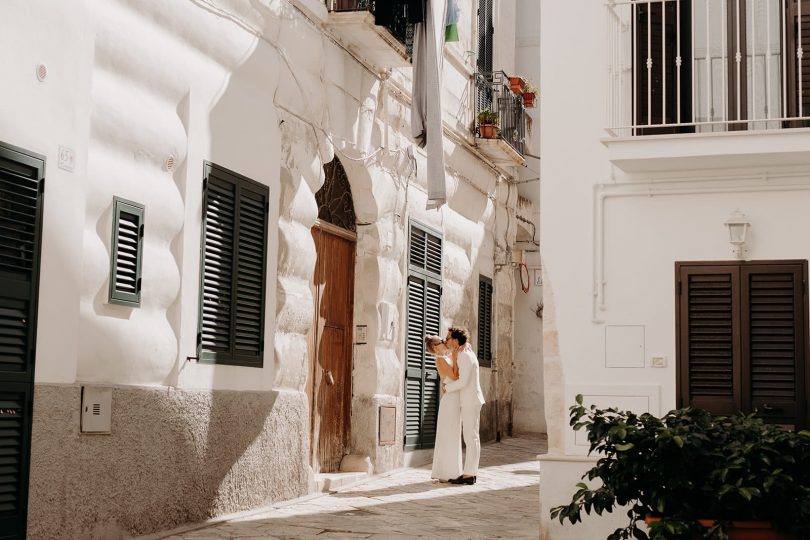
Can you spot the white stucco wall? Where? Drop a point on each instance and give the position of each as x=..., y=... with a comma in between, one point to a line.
x=529, y=405
x=259, y=88
x=611, y=237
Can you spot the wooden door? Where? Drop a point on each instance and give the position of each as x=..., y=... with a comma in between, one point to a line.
x=330, y=381
x=21, y=189
x=743, y=338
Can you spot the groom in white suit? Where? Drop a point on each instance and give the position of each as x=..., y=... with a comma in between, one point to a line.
x=472, y=399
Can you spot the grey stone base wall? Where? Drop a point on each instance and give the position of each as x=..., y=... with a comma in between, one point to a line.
x=173, y=457
x=488, y=430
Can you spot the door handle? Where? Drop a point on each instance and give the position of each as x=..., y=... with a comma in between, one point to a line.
x=330, y=380
x=770, y=408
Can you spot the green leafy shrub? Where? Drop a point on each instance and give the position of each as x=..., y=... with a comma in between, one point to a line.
x=690, y=465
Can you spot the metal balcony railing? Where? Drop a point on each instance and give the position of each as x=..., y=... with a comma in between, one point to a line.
x=391, y=14
x=694, y=66
x=492, y=92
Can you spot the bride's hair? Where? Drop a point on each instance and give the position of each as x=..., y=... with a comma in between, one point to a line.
x=431, y=342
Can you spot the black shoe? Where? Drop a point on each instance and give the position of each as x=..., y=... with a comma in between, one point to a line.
x=464, y=481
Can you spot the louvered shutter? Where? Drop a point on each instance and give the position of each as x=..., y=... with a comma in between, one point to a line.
x=21, y=192
x=773, y=342
x=233, y=269
x=15, y=436
x=484, y=321
x=709, y=340
x=485, y=64
x=424, y=317
x=126, y=253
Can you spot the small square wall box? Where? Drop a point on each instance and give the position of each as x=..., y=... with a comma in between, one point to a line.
x=361, y=334
x=96, y=409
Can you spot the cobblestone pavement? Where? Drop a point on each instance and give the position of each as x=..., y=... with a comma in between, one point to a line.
x=407, y=504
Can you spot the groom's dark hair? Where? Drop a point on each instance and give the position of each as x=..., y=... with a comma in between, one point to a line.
x=459, y=334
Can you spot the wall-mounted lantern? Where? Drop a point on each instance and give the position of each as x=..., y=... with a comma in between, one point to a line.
x=737, y=232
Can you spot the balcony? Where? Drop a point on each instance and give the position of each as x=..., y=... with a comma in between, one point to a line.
x=507, y=147
x=717, y=83
x=378, y=32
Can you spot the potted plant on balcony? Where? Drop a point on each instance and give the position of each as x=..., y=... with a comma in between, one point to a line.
x=488, y=124
x=530, y=92
x=693, y=475
x=516, y=84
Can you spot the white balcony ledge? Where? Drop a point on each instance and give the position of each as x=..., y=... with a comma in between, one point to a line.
x=701, y=151
x=500, y=152
x=375, y=44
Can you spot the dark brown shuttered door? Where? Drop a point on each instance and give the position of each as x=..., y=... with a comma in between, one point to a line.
x=233, y=269
x=657, y=39
x=742, y=339
x=21, y=189
x=709, y=338
x=424, y=317
x=773, y=346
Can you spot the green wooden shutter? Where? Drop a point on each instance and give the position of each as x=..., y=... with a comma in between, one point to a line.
x=233, y=272
x=21, y=192
x=484, y=321
x=424, y=317
x=126, y=253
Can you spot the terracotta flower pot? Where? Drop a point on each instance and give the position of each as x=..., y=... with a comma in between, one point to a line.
x=528, y=99
x=488, y=131
x=742, y=530
x=516, y=84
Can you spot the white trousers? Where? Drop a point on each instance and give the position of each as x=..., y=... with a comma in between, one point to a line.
x=470, y=423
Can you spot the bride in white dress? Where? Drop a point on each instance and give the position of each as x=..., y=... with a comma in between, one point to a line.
x=447, y=449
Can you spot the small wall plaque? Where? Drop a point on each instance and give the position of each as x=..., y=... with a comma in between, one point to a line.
x=388, y=425
x=361, y=334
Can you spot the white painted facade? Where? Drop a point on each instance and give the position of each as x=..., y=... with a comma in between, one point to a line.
x=269, y=90
x=616, y=214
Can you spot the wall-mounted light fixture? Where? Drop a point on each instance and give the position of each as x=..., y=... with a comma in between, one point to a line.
x=737, y=231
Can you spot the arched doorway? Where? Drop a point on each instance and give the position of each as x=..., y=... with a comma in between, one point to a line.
x=329, y=384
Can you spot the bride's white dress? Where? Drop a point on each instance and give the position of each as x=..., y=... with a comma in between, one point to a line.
x=447, y=450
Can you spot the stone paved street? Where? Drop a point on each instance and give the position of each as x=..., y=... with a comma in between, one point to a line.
x=407, y=504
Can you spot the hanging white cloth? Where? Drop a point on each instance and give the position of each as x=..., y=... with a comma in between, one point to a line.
x=426, y=111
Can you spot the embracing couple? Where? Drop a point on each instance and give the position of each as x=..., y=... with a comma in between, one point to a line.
x=459, y=407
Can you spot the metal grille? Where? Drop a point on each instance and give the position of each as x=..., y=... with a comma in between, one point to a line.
x=334, y=199
x=492, y=92
x=395, y=17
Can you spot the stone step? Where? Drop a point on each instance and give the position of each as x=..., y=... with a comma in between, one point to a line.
x=326, y=482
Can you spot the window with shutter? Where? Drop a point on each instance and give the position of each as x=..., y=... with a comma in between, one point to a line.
x=424, y=317
x=486, y=40
x=484, y=321
x=126, y=253
x=21, y=192
x=233, y=273
x=742, y=338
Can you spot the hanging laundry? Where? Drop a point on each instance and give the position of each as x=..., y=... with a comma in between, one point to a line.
x=426, y=110
x=451, y=22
